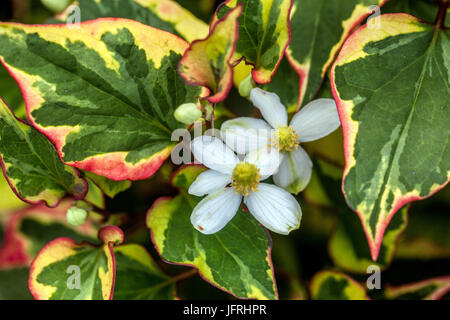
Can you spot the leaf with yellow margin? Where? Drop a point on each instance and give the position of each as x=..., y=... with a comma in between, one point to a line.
x=207, y=62
x=236, y=259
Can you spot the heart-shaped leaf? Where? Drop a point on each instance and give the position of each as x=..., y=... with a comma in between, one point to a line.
x=319, y=27
x=105, y=94
x=235, y=259
x=65, y=270
x=391, y=86
x=31, y=164
x=207, y=62
x=264, y=33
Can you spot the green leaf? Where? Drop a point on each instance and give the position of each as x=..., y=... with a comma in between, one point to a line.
x=391, y=86
x=29, y=229
x=201, y=8
x=426, y=10
x=285, y=83
x=65, y=270
x=138, y=277
x=31, y=164
x=14, y=284
x=430, y=289
x=319, y=27
x=263, y=34
x=235, y=259
x=105, y=94
x=10, y=93
x=207, y=62
x=8, y=200
x=110, y=187
x=165, y=15
x=348, y=246
x=332, y=285
x=427, y=234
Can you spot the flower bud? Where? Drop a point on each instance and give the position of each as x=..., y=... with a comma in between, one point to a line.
x=187, y=113
x=76, y=216
x=246, y=86
x=56, y=6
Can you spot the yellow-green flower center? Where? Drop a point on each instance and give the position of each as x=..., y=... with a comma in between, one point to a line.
x=285, y=139
x=245, y=178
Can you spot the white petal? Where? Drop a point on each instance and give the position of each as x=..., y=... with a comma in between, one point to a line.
x=267, y=159
x=214, y=154
x=245, y=134
x=294, y=172
x=270, y=106
x=208, y=182
x=316, y=120
x=215, y=211
x=274, y=208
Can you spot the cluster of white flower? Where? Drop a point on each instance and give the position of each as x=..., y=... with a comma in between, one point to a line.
x=250, y=151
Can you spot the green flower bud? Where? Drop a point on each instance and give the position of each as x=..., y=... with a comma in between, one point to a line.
x=76, y=216
x=187, y=113
x=246, y=86
x=56, y=5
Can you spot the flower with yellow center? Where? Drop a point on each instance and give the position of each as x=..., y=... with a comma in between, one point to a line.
x=229, y=181
x=314, y=121
x=285, y=139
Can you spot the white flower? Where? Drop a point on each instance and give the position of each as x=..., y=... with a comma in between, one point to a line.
x=314, y=121
x=230, y=180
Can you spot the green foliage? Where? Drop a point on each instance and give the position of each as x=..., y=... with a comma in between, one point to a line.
x=87, y=128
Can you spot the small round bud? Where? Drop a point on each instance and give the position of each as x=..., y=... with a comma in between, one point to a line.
x=187, y=113
x=56, y=6
x=76, y=216
x=246, y=86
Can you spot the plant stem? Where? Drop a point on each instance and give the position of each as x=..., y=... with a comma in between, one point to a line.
x=440, y=18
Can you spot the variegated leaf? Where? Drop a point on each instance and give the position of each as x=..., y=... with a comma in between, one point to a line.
x=65, y=270
x=332, y=285
x=236, y=259
x=31, y=164
x=207, y=62
x=162, y=14
x=319, y=27
x=29, y=229
x=264, y=34
x=391, y=86
x=430, y=289
x=110, y=187
x=104, y=94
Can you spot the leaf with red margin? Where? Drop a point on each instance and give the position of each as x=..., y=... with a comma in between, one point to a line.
x=236, y=259
x=29, y=229
x=105, y=94
x=264, y=34
x=430, y=289
x=207, y=62
x=166, y=15
x=65, y=270
x=319, y=27
x=388, y=85
x=31, y=164
x=332, y=285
